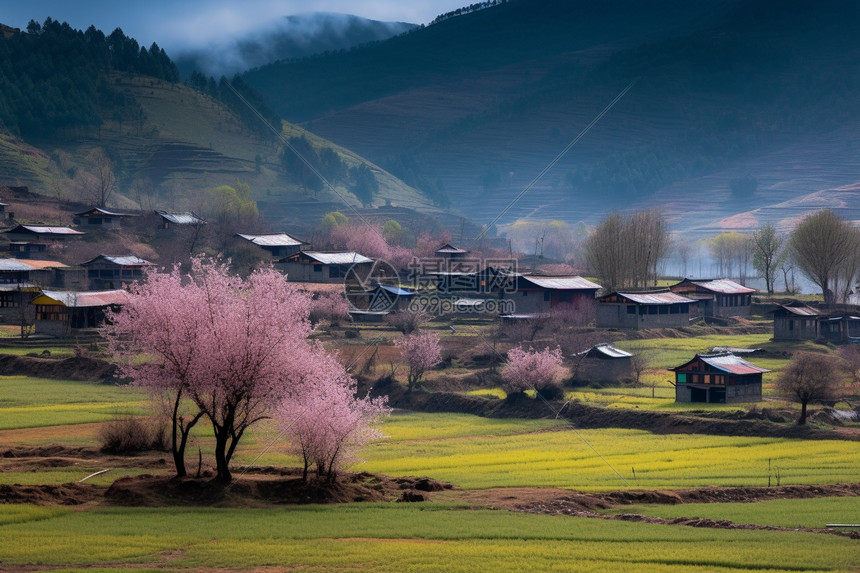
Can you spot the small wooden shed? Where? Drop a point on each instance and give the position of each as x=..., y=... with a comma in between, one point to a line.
x=603, y=363
x=721, y=378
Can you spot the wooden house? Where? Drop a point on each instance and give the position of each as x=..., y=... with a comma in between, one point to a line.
x=602, y=363
x=840, y=328
x=718, y=378
x=717, y=298
x=534, y=294
x=20, y=278
x=448, y=251
x=795, y=322
x=97, y=219
x=31, y=241
x=183, y=219
x=639, y=310
x=278, y=245
x=59, y=313
x=319, y=266
x=108, y=272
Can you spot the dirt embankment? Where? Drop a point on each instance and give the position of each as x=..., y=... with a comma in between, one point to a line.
x=74, y=368
x=763, y=423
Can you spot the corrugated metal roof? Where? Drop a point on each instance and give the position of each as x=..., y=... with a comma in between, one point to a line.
x=273, y=240
x=340, y=258
x=28, y=264
x=724, y=286
x=655, y=297
x=396, y=290
x=45, y=230
x=563, y=283
x=448, y=248
x=186, y=218
x=801, y=310
x=607, y=350
x=122, y=260
x=74, y=299
x=728, y=363
x=101, y=211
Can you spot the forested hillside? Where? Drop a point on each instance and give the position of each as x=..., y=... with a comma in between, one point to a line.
x=55, y=80
x=746, y=105
x=83, y=111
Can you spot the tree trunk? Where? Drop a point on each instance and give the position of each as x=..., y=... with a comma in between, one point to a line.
x=222, y=435
x=802, y=420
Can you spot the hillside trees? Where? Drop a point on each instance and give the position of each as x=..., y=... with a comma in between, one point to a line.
x=809, y=377
x=732, y=252
x=55, y=79
x=234, y=347
x=421, y=351
x=826, y=249
x=101, y=184
x=625, y=251
x=534, y=369
x=767, y=254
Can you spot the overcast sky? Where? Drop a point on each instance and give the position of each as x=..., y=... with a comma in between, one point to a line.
x=176, y=24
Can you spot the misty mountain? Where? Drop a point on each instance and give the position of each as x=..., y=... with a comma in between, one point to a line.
x=737, y=110
x=292, y=37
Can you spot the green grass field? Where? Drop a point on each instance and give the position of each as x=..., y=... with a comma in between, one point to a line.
x=396, y=537
x=468, y=451
x=811, y=513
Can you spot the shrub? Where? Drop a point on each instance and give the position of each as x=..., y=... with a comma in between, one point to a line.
x=129, y=434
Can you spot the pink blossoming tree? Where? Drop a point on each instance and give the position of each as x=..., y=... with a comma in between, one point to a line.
x=537, y=369
x=326, y=424
x=232, y=346
x=421, y=351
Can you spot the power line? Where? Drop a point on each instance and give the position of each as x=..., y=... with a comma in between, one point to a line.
x=557, y=158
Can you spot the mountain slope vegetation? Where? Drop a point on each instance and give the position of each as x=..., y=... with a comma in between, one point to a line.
x=724, y=92
x=70, y=96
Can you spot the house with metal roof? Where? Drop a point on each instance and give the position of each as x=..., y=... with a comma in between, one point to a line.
x=718, y=378
x=795, y=321
x=639, y=310
x=278, y=245
x=717, y=298
x=42, y=232
x=58, y=313
x=106, y=272
x=186, y=218
x=97, y=218
x=602, y=363
x=449, y=251
x=541, y=294
x=323, y=266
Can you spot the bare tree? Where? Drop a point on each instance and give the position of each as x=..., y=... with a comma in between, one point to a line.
x=824, y=247
x=767, y=252
x=102, y=182
x=626, y=251
x=810, y=377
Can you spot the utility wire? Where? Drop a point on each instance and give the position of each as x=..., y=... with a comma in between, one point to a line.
x=557, y=158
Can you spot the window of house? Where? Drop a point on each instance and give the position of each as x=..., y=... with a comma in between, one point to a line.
x=631, y=309
x=546, y=296
x=317, y=268
x=682, y=377
x=664, y=309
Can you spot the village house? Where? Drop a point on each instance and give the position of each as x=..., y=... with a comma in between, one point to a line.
x=840, y=328
x=183, y=219
x=721, y=378
x=97, y=219
x=58, y=313
x=717, y=298
x=31, y=241
x=537, y=294
x=106, y=272
x=639, y=310
x=321, y=267
x=448, y=251
x=602, y=363
x=279, y=245
x=795, y=321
